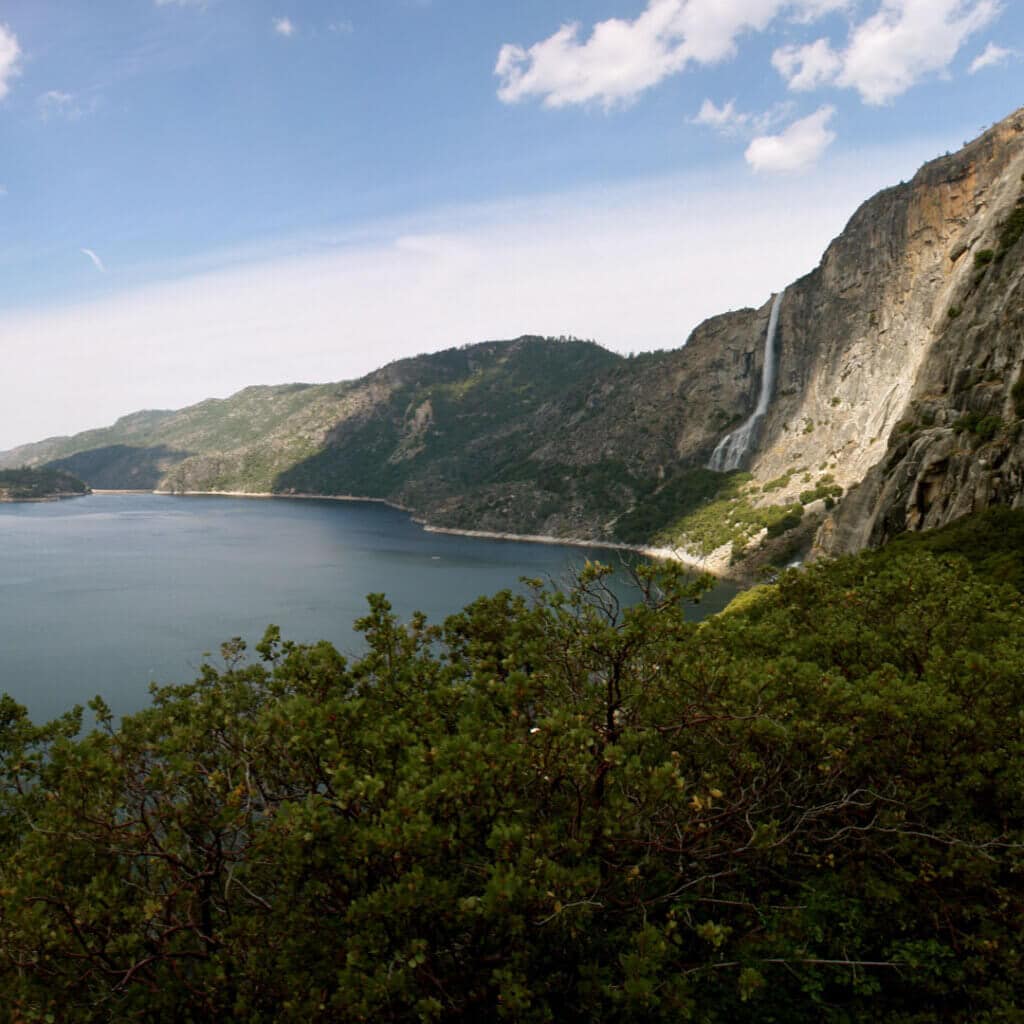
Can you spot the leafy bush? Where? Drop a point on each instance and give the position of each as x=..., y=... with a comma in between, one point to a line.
x=779, y=482
x=787, y=522
x=825, y=488
x=1017, y=393
x=807, y=810
x=983, y=427
x=1012, y=229
x=991, y=541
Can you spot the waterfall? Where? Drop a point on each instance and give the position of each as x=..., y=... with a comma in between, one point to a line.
x=732, y=449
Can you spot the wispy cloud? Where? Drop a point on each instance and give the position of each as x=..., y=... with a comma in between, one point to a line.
x=284, y=27
x=96, y=261
x=10, y=59
x=796, y=148
x=992, y=56
x=56, y=103
x=725, y=118
x=728, y=120
x=627, y=265
x=342, y=27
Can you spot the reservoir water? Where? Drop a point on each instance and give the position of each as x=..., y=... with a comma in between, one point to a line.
x=106, y=593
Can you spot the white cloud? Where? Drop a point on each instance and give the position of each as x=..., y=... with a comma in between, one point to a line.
x=10, y=57
x=56, y=103
x=812, y=10
x=887, y=53
x=991, y=56
x=341, y=28
x=725, y=118
x=799, y=146
x=807, y=67
x=284, y=27
x=894, y=49
x=636, y=267
x=621, y=59
x=96, y=261
x=907, y=40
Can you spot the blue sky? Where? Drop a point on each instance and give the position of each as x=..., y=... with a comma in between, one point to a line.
x=199, y=196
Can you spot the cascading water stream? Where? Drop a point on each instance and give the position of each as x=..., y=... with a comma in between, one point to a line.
x=732, y=449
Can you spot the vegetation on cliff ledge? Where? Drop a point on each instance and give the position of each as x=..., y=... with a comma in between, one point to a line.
x=810, y=809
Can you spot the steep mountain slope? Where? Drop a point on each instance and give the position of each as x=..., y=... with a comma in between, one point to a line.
x=898, y=370
x=881, y=341
x=957, y=447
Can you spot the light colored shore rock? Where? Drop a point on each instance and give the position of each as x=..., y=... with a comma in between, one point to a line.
x=715, y=564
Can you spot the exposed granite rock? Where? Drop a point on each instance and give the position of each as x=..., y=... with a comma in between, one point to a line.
x=952, y=426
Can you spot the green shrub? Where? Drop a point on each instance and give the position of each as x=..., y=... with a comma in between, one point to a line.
x=1012, y=230
x=789, y=521
x=983, y=257
x=822, y=490
x=983, y=427
x=1017, y=393
x=778, y=483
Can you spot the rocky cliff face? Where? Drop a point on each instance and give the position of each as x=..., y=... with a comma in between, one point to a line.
x=937, y=376
x=910, y=325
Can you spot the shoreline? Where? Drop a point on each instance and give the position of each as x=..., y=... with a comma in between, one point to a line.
x=660, y=554
x=267, y=494
x=714, y=564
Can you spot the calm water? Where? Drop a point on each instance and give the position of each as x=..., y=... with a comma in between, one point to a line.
x=106, y=593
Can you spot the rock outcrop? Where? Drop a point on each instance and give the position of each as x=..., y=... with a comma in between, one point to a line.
x=937, y=403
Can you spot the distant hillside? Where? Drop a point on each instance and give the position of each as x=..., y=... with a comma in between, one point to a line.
x=38, y=484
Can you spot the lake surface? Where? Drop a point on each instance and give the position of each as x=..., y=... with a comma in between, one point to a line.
x=106, y=593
